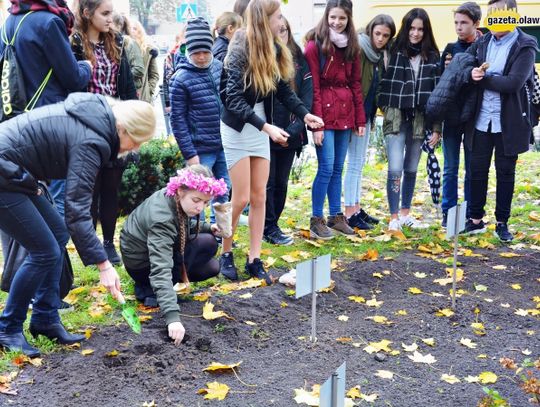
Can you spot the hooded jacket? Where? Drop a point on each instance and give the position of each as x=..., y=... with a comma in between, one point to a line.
x=221, y=45
x=71, y=140
x=196, y=108
x=515, y=102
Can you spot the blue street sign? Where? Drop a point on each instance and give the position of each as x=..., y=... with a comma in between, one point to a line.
x=186, y=11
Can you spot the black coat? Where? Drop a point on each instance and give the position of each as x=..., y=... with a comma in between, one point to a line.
x=283, y=118
x=125, y=85
x=454, y=97
x=516, y=119
x=70, y=140
x=221, y=45
x=238, y=102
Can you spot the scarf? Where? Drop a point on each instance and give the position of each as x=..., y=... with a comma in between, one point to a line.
x=413, y=49
x=365, y=43
x=57, y=7
x=340, y=40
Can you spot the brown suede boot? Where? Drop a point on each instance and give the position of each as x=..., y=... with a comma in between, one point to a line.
x=339, y=223
x=319, y=230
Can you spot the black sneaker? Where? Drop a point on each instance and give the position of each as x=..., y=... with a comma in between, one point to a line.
x=444, y=220
x=356, y=221
x=502, y=232
x=112, y=255
x=256, y=270
x=473, y=228
x=151, y=302
x=367, y=218
x=277, y=237
x=227, y=267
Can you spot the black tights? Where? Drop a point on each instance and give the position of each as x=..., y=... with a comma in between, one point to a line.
x=105, y=200
x=198, y=258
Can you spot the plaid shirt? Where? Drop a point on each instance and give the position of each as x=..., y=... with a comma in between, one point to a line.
x=104, y=73
x=398, y=87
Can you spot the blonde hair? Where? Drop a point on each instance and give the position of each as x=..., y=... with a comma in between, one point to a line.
x=265, y=66
x=140, y=38
x=136, y=116
x=226, y=19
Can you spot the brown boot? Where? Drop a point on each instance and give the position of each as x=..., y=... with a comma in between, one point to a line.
x=319, y=230
x=339, y=223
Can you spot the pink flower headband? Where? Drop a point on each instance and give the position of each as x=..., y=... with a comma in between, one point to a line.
x=206, y=185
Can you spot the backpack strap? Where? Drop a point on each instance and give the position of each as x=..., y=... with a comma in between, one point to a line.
x=4, y=34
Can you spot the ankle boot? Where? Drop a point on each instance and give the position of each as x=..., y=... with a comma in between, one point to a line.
x=256, y=270
x=56, y=331
x=16, y=342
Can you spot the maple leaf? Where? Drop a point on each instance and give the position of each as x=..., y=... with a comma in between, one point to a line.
x=214, y=390
x=487, y=377
x=202, y=296
x=429, y=341
x=379, y=319
x=369, y=398
x=521, y=312
x=385, y=374
x=354, y=392
x=417, y=357
x=445, y=312
x=409, y=348
x=516, y=286
x=374, y=303
x=382, y=345
x=401, y=312
x=472, y=379
x=468, y=343
x=220, y=367
x=356, y=298
x=415, y=290
x=450, y=378
x=209, y=313
x=420, y=275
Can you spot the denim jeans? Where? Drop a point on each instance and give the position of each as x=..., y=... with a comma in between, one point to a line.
x=452, y=139
x=356, y=158
x=403, y=153
x=330, y=157
x=217, y=164
x=57, y=189
x=36, y=225
x=483, y=145
x=276, y=188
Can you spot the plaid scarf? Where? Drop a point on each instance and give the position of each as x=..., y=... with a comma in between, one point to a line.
x=57, y=7
x=399, y=89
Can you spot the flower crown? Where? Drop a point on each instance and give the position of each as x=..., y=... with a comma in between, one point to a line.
x=198, y=182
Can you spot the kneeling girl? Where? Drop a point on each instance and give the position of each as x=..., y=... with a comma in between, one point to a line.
x=163, y=243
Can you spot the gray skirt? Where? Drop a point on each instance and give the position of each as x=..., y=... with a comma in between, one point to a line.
x=250, y=142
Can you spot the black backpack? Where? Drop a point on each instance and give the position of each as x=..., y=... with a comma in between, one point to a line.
x=13, y=95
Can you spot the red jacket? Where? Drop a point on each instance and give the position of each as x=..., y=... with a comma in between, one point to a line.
x=337, y=91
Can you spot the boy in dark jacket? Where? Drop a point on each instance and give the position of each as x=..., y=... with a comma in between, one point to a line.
x=195, y=103
x=466, y=20
x=502, y=120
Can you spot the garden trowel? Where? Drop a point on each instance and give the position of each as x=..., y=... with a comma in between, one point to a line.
x=130, y=315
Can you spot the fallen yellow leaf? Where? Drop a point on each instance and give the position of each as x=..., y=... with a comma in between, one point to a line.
x=87, y=352
x=468, y=343
x=409, y=348
x=343, y=318
x=449, y=378
x=420, y=275
x=385, y=374
x=417, y=357
x=445, y=312
x=220, y=367
x=209, y=313
x=382, y=345
x=487, y=377
x=356, y=298
x=354, y=392
x=374, y=303
x=215, y=390
x=499, y=267
x=429, y=341
x=202, y=296
x=401, y=312
x=510, y=254
x=472, y=379
x=415, y=290
x=516, y=286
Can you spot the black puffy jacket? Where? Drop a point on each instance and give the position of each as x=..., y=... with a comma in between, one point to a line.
x=70, y=140
x=221, y=45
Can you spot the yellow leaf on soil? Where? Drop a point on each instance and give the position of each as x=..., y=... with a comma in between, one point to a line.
x=220, y=367
x=215, y=390
x=369, y=398
x=429, y=341
x=250, y=323
x=144, y=318
x=382, y=345
x=510, y=254
x=487, y=377
x=378, y=275
x=246, y=296
x=385, y=374
x=87, y=352
x=401, y=312
x=521, y=312
x=290, y=259
x=472, y=379
x=500, y=267
x=459, y=273
x=371, y=255
x=374, y=303
x=304, y=397
x=415, y=290
x=356, y=298
x=344, y=339
x=354, y=392
x=379, y=319
x=516, y=286
x=409, y=348
x=149, y=404
x=202, y=296
x=445, y=312
x=112, y=353
x=450, y=378
x=343, y=318
x=417, y=357
x=269, y=262
x=283, y=304
x=420, y=275
x=468, y=343
x=210, y=314
x=482, y=356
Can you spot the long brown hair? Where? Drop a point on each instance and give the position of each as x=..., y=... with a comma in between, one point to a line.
x=82, y=24
x=266, y=66
x=295, y=49
x=321, y=32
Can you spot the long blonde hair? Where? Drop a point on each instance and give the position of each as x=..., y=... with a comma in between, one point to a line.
x=136, y=116
x=265, y=65
x=140, y=38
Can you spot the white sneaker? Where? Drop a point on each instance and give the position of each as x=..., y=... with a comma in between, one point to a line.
x=411, y=222
x=394, y=224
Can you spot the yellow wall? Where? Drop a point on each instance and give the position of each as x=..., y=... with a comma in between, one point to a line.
x=440, y=13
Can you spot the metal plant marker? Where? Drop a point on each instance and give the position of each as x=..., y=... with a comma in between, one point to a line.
x=332, y=392
x=312, y=276
x=455, y=225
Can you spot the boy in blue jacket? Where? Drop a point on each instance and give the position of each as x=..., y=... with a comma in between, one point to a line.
x=195, y=103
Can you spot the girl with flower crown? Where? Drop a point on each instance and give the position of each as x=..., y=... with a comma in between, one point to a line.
x=162, y=241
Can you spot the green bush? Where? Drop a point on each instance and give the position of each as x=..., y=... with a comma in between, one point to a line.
x=159, y=159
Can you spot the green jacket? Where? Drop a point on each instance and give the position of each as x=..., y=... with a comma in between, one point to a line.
x=135, y=59
x=392, y=123
x=150, y=78
x=147, y=240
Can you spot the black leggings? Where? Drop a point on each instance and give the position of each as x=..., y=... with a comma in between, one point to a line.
x=198, y=258
x=105, y=200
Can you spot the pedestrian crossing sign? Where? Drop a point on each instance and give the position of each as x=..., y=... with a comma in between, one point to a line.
x=184, y=12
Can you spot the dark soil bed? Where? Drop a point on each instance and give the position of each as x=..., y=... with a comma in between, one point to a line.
x=148, y=367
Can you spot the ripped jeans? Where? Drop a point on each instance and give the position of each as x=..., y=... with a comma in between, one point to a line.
x=403, y=153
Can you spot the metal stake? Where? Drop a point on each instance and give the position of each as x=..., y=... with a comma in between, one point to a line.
x=454, y=271
x=314, y=301
x=335, y=379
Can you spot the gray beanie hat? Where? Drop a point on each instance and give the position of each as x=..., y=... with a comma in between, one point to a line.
x=198, y=36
